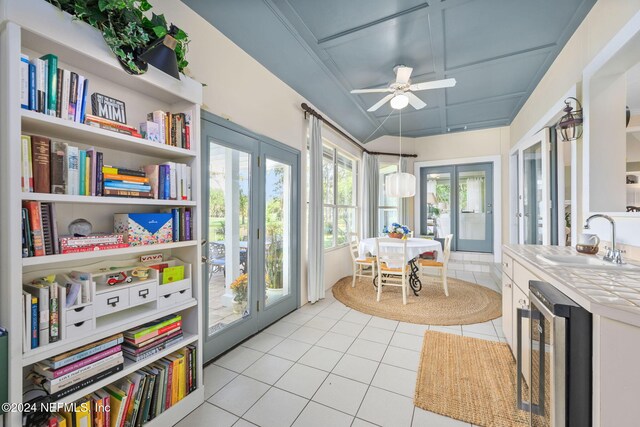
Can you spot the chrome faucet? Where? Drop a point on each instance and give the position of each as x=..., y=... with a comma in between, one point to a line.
x=612, y=255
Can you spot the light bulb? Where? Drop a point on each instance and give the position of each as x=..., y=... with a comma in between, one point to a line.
x=399, y=101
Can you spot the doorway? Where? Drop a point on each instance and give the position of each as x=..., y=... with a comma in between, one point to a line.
x=252, y=209
x=458, y=200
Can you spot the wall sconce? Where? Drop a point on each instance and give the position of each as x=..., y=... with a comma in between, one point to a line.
x=570, y=125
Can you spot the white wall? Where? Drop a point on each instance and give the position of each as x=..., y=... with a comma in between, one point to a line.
x=240, y=89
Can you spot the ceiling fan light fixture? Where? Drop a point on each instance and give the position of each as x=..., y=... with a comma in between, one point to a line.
x=399, y=101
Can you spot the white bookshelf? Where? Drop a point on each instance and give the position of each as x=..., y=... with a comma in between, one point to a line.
x=36, y=27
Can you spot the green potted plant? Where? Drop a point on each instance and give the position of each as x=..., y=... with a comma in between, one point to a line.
x=126, y=28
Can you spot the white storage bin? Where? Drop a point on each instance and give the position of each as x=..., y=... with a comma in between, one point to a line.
x=175, y=298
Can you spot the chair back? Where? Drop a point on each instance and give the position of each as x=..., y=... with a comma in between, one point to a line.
x=353, y=247
x=392, y=252
x=447, y=247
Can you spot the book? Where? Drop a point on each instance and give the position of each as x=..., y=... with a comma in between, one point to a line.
x=151, y=327
x=79, y=97
x=34, y=322
x=54, y=314
x=54, y=228
x=35, y=225
x=82, y=172
x=84, y=383
x=41, y=292
x=73, y=96
x=118, y=401
x=59, y=93
x=113, y=192
x=40, y=84
x=150, y=131
x=67, y=242
x=119, y=185
x=47, y=228
x=33, y=94
x=40, y=149
x=159, y=118
x=79, y=353
x=95, y=248
x=58, y=384
x=91, y=171
x=64, y=94
x=27, y=248
x=52, y=82
x=156, y=349
x=58, y=165
x=106, y=402
x=25, y=164
x=50, y=373
x=73, y=171
x=127, y=178
x=130, y=346
x=99, y=174
x=122, y=171
x=83, y=101
x=24, y=81
x=73, y=290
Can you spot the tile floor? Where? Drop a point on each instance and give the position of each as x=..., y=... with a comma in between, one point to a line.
x=326, y=365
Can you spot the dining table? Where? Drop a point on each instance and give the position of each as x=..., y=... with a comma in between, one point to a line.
x=415, y=247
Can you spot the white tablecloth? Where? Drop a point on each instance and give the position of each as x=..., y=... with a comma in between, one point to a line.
x=415, y=247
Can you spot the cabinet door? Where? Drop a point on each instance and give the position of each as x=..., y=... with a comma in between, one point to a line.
x=507, y=310
x=521, y=300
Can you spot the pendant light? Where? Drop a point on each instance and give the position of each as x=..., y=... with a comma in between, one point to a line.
x=400, y=184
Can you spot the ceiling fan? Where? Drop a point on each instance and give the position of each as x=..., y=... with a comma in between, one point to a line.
x=401, y=91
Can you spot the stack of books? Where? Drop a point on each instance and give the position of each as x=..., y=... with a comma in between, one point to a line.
x=50, y=90
x=111, y=125
x=121, y=182
x=71, y=371
x=39, y=229
x=139, y=397
x=153, y=337
x=56, y=167
x=169, y=128
x=41, y=313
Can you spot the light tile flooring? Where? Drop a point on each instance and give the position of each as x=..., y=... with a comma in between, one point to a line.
x=326, y=365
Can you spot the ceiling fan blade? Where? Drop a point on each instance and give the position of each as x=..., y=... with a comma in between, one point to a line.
x=378, y=90
x=380, y=103
x=415, y=102
x=403, y=74
x=436, y=84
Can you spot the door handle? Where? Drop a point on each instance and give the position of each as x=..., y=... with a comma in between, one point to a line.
x=522, y=404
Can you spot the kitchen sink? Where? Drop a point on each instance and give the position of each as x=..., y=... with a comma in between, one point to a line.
x=583, y=261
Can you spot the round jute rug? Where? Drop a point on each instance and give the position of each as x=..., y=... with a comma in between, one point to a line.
x=467, y=303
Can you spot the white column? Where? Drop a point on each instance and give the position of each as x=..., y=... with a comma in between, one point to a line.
x=231, y=222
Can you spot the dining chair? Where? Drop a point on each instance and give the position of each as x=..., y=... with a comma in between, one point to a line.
x=362, y=266
x=392, y=263
x=426, y=264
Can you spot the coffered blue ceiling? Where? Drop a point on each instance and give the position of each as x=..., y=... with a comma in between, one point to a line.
x=497, y=50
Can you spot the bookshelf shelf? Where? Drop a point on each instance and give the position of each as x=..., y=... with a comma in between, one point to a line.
x=54, y=127
x=127, y=322
x=129, y=367
x=37, y=28
x=65, y=198
x=132, y=250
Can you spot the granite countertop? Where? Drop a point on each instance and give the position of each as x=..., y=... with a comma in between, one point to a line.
x=610, y=292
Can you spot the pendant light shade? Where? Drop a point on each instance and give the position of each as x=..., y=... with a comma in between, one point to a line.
x=400, y=185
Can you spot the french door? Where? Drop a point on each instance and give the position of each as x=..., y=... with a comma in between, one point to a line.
x=252, y=256
x=458, y=200
x=537, y=172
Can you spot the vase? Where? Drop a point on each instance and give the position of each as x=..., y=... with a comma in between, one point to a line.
x=238, y=306
x=396, y=235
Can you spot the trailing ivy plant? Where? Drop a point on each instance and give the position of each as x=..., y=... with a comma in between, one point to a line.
x=126, y=28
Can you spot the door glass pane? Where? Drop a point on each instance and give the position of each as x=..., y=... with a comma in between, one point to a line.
x=472, y=205
x=277, y=263
x=438, y=205
x=532, y=194
x=229, y=207
x=328, y=227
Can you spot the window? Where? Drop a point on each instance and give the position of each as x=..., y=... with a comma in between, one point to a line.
x=339, y=186
x=388, y=207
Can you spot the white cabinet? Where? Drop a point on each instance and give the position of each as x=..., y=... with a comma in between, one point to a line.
x=521, y=300
x=507, y=309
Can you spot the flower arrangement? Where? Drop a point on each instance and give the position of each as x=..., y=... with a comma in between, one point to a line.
x=397, y=231
x=239, y=288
